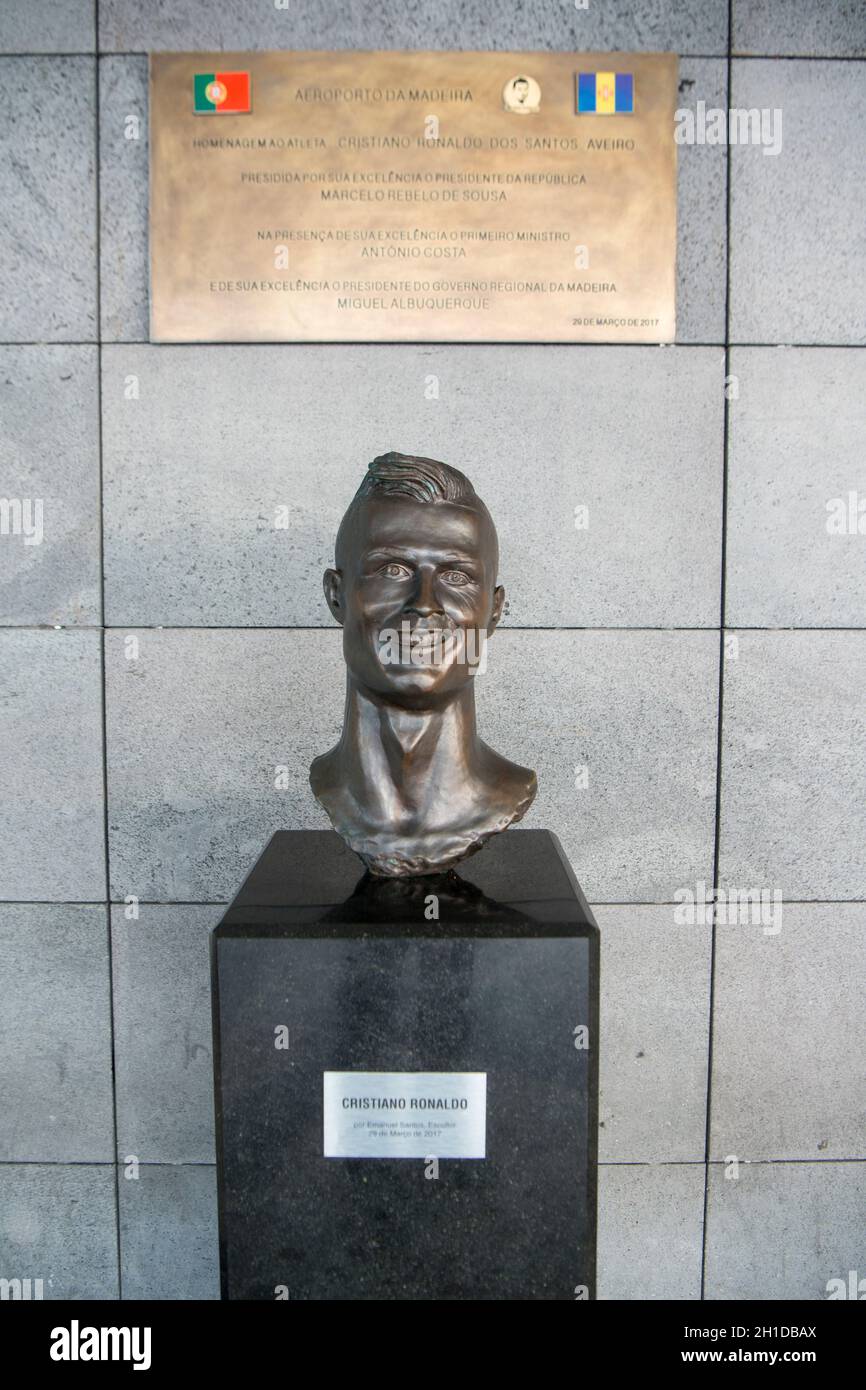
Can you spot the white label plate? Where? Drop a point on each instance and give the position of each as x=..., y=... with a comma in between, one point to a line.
x=405, y=1114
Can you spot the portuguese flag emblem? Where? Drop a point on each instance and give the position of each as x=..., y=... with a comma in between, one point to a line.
x=221, y=93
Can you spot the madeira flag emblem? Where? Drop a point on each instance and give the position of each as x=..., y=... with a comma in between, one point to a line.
x=605, y=93
x=221, y=93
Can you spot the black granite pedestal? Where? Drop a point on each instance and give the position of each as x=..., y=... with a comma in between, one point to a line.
x=360, y=1041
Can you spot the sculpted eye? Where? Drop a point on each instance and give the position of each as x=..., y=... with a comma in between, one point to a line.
x=394, y=570
x=457, y=577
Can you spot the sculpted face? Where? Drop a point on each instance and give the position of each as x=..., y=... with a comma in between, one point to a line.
x=415, y=593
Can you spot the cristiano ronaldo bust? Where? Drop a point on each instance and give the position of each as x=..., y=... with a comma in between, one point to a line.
x=410, y=786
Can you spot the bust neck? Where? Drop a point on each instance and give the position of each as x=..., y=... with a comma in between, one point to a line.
x=413, y=791
x=404, y=765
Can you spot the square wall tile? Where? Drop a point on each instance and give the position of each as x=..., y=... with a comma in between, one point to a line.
x=169, y=1241
x=162, y=1033
x=702, y=199
x=650, y=1223
x=48, y=231
x=58, y=1223
x=49, y=467
x=793, y=774
x=43, y=26
x=687, y=26
x=798, y=265
x=833, y=28
x=199, y=722
x=227, y=475
x=631, y=714
x=796, y=539
x=123, y=188
x=655, y=1004
x=51, y=751
x=55, y=1034
x=788, y=1024
x=784, y=1230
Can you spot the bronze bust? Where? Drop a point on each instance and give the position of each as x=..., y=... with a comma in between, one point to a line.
x=410, y=786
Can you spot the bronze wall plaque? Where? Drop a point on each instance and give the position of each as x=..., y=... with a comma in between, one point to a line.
x=412, y=197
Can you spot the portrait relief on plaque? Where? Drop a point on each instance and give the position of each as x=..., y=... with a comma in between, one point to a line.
x=522, y=94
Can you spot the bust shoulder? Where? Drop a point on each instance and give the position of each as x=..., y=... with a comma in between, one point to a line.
x=511, y=784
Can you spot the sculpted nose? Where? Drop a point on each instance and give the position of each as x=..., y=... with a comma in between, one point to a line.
x=424, y=600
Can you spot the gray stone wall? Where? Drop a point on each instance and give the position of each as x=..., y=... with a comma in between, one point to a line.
x=702, y=646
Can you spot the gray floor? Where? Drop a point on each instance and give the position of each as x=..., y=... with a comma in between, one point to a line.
x=165, y=648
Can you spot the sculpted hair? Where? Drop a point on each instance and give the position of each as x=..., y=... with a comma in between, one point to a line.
x=425, y=480
x=406, y=475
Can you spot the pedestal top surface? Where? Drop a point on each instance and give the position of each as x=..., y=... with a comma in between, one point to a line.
x=307, y=882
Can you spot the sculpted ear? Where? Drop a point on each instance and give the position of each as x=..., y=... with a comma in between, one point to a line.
x=332, y=583
x=496, y=612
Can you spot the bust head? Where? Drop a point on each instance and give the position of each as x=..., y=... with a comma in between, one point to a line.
x=410, y=786
x=414, y=586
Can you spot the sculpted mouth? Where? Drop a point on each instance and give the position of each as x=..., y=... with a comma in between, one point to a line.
x=427, y=643
x=434, y=625
x=430, y=635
